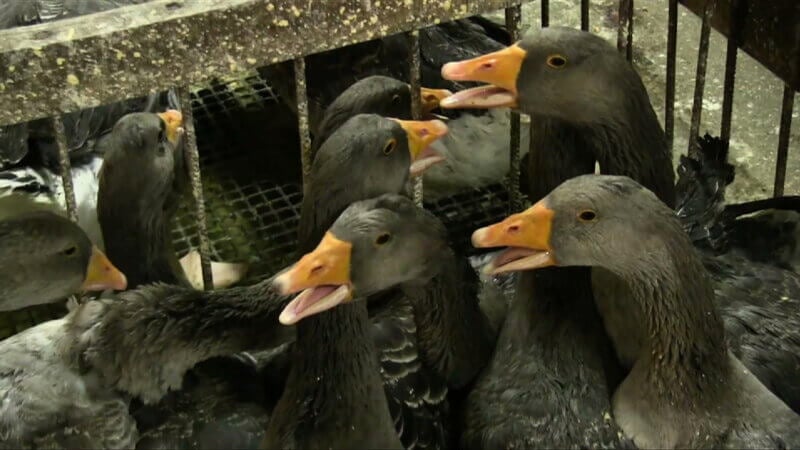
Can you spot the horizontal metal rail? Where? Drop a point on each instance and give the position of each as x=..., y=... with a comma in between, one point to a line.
x=86, y=61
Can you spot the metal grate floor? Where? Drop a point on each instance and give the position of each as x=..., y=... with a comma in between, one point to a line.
x=250, y=165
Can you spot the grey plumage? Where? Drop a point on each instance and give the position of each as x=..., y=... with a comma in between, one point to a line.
x=685, y=389
x=138, y=344
x=141, y=181
x=43, y=258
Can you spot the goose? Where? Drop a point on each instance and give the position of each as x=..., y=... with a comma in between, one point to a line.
x=685, y=388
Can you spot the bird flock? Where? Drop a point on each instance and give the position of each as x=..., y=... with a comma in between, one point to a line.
x=625, y=309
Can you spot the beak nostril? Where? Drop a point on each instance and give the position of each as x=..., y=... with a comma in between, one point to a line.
x=316, y=269
x=487, y=65
x=513, y=229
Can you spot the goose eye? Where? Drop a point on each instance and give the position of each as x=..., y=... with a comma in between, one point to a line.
x=587, y=215
x=396, y=98
x=70, y=250
x=383, y=238
x=389, y=147
x=556, y=61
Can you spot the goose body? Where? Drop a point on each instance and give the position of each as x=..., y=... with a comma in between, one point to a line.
x=685, y=389
x=140, y=185
x=357, y=256
x=138, y=344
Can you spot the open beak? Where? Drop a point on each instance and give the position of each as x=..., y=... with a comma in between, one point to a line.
x=174, y=121
x=432, y=97
x=322, y=278
x=102, y=275
x=500, y=69
x=527, y=236
x=421, y=134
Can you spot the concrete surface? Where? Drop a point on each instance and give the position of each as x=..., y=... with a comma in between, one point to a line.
x=757, y=97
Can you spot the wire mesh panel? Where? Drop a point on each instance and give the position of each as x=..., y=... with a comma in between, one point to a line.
x=252, y=181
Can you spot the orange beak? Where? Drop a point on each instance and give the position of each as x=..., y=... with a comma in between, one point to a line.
x=102, y=275
x=499, y=69
x=420, y=135
x=322, y=277
x=527, y=234
x=174, y=121
x=432, y=97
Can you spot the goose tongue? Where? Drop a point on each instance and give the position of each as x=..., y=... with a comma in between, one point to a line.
x=427, y=158
x=518, y=258
x=489, y=96
x=312, y=301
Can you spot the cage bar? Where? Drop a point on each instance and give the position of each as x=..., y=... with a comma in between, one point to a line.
x=625, y=40
x=513, y=18
x=416, y=101
x=545, y=13
x=301, y=99
x=783, y=140
x=57, y=123
x=193, y=162
x=82, y=62
x=731, y=53
x=585, y=15
x=700, y=78
x=672, y=51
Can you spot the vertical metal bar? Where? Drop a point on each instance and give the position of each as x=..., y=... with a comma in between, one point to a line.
x=621, y=25
x=545, y=13
x=57, y=123
x=302, y=119
x=730, y=70
x=416, y=100
x=193, y=161
x=585, y=15
x=783, y=140
x=629, y=47
x=513, y=16
x=625, y=21
x=669, y=101
x=700, y=77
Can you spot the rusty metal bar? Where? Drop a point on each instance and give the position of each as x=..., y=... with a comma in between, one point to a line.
x=783, y=140
x=585, y=15
x=193, y=162
x=65, y=167
x=301, y=98
x=625, y=40
x=81, y=62
x=669, y=97
x=629, y=47
x=513, y=17
x=700, y=78
x=415, y=81
x=730, y=72
x=545, y=13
